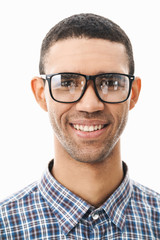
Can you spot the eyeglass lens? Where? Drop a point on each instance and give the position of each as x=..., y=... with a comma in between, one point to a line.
x=69, y=87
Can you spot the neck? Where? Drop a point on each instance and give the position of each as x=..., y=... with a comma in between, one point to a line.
x=92, y=182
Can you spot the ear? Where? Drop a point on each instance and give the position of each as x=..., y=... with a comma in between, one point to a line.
x=136, y=88
x=38, y=89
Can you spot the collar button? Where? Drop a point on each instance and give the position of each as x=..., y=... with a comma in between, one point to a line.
x=95, y=216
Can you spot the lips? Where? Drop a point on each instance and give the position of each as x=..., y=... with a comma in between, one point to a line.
x=88, y=128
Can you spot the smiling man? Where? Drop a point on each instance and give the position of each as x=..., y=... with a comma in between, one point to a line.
x=87, y=86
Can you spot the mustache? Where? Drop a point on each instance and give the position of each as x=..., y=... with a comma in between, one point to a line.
x=95, y=115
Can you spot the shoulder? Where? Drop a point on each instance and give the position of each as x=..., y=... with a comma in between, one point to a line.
x=146, y=202
x=13, y=202
x=149, y=196
x=18, y=209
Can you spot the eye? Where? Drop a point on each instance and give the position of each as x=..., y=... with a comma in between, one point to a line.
x=108, y=83
x=104, y=86
x=70, y=80
x=114, y=84
x=111, y=83
x=64, y=81
x=68, y=83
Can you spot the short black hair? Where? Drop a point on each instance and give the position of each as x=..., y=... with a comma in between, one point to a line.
x=86, y=25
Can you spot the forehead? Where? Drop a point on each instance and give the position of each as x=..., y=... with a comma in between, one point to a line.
x=87, y=56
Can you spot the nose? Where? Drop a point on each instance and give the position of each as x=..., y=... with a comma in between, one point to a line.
x=89, y=102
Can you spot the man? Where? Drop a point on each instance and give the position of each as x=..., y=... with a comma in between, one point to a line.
x=87, y=86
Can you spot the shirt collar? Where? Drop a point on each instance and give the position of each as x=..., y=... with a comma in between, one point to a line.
x=117, y=203
x=69, y=208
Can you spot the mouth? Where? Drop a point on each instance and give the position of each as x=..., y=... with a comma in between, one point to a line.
x=88, y=128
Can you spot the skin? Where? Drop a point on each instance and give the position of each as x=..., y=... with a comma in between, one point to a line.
x=88, y=164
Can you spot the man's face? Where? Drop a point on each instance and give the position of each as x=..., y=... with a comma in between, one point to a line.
x=100, y=124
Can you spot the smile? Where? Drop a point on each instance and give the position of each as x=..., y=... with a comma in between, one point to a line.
x=86, y=128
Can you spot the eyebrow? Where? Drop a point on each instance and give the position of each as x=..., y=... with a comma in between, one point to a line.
x=101, y=72
x=98, y=73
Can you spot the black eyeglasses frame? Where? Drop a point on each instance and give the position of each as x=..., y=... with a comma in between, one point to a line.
x=48, y=78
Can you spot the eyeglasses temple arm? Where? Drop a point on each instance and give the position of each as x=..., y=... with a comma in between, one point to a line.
x=43, y=76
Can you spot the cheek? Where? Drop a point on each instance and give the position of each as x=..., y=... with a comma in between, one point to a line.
x=58, y=112
x=124, y=115
x=120, y=113
x=55, y=109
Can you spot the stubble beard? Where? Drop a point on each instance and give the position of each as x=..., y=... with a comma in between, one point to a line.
x=89, y=153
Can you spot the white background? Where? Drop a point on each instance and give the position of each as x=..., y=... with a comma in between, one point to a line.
x=26, y=142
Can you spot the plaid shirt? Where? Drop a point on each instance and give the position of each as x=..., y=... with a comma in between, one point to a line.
x=47, y=210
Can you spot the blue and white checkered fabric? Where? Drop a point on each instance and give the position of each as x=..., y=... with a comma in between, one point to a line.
x=47, y=210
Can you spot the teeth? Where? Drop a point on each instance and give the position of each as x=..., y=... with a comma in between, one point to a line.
x=86, y=128
x=77, y=127
x=91, y=128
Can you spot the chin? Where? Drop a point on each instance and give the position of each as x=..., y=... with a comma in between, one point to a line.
x=91, y=157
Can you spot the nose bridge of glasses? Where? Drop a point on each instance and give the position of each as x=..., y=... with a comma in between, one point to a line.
x=92, y=84
x=90, y=101
x=90, y=77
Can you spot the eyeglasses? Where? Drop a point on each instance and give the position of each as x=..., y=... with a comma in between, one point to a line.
x=70, y=87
